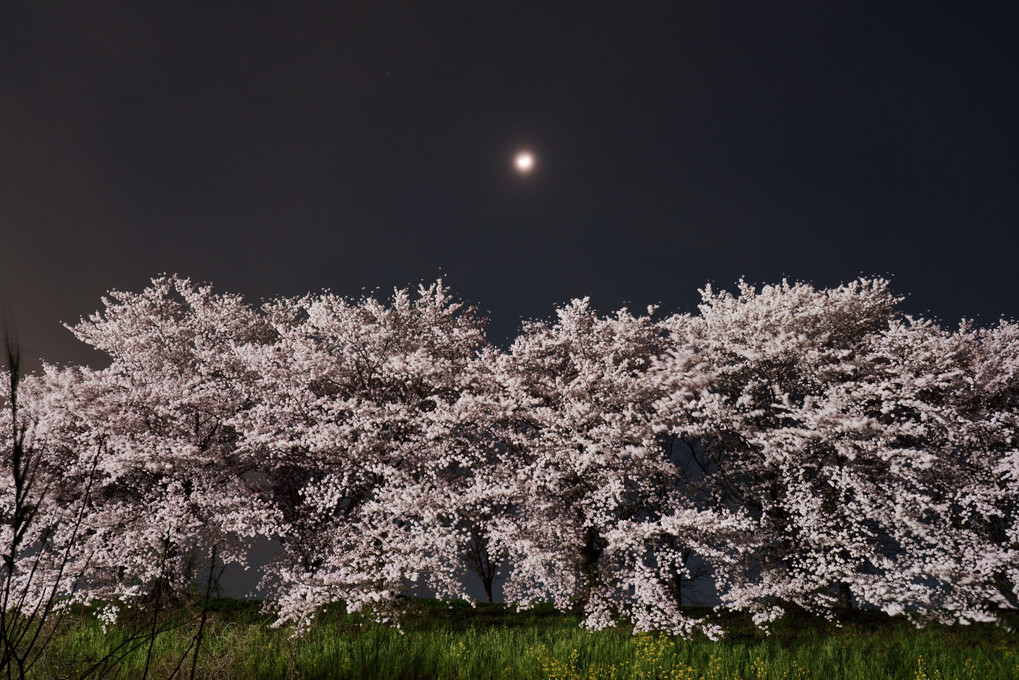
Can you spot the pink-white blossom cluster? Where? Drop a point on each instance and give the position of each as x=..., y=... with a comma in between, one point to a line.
x=810, y=448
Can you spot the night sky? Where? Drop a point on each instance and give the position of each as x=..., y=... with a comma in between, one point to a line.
x=275, y=148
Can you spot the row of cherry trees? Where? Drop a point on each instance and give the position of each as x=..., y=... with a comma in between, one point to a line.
x=814, y=448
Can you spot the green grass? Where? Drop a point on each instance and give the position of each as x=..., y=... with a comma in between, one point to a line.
x=453, y=640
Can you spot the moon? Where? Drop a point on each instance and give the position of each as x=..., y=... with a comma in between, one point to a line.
x=524, y=162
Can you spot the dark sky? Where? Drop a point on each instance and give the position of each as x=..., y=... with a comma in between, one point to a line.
x=271, y=148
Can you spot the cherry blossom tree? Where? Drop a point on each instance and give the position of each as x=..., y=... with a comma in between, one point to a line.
x=833, y=419
x=990, y=491
x=603, y=514
x=170, y=487
x=363, y=424
x=45, y=493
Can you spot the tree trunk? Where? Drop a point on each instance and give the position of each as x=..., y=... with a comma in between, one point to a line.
x=480, y=561
x=676, y=588
x=590, y=553
x=845, y=596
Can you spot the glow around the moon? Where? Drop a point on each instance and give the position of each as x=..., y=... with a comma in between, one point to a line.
x=524, y=161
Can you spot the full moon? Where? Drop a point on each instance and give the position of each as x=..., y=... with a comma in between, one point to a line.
x=524, y=162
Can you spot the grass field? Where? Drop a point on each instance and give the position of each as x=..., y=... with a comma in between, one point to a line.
x=453, y=640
